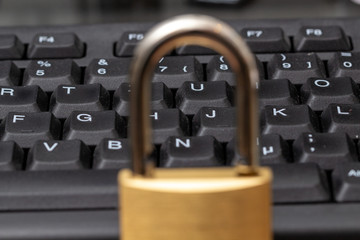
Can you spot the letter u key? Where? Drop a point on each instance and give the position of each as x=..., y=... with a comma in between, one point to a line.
x=194, y=204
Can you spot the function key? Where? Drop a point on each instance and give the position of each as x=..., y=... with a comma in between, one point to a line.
x=345, y=64
x=174, y=71
x=127, y=43
x=9, y=74
x=266, y=40
x=56, y=45
x=22, y=99
x=319, y=93
x=193, y=96
x=48, y=74
x=202, y=151
x=342, y=118
x=11, y=47
x=289, y=121
x=325, y=149
x=110, y=73
x=296, y=67
x=218, y=69
x=329, y=38
x=27, y=128
x=68, y=98
x=59, y=155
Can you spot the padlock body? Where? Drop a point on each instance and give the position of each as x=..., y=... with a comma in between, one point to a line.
x=195, y=204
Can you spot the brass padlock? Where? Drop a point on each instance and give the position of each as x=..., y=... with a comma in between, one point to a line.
x=194, y=204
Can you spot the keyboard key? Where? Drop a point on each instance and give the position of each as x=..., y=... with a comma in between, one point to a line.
x=326, y=149
x=321, y=38
x=266, y=40
x=174, y=71
x=110, y=73
x=297, y=67
x=168, y=122
x=346, y=182
x=277, y=92
x=92, y=127
x=59, y=155
x=218, y=69
x=217, y=122
x=345, y=64
x=9, y=74
x=22, y=99
x=11, y=156
x=55, y=45
x=288, y=121
x=193, y=96
x=342, y=118
x=112, y=154
x=273, y=150
x=319, y=93
x=299, y=183
x=48, y=74
x=127, y=43
x=11, y=47
x=194, y=50
x=161, y=98
x=68, y=98
x=27, y=128
x=202, y=151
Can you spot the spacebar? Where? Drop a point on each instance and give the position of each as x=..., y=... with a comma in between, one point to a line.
x=54, y=190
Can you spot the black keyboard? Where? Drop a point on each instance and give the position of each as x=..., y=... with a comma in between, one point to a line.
x=64, y=98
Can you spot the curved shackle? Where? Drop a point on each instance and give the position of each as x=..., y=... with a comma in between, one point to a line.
x=207, y=32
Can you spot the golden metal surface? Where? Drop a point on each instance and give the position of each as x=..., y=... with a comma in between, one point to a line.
x=194, y=204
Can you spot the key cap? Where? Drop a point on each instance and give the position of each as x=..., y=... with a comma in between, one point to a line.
x=48, y=74
x=194, y=50
x=68, y=98
x=92, y=127
x=22, y=99
x=9, y=73
x=288, y=121
x=161, y=98
x=273, y=150
x=321, y=38
x=319, y=93
x=11, y=156
x=218, y=69
x=127, y=43
x=58, y=155
x=345, y=64
x=297, y=67
x=277, y=92
x=55, y=45
x=168, y=122
x=342, y=118
x=346, y=182
x=202, y=151
x=265, y=40
x=110, y=73
x=217, y=122
x=26, y=128
x=174, y=71
x=325, y=149
x=193, y=96
x=112, y=154
x=11, y=47
x=299, y=183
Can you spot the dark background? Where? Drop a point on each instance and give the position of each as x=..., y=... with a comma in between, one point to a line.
x=50, y=12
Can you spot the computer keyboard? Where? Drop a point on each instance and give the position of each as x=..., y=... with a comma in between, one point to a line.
x=64, y=110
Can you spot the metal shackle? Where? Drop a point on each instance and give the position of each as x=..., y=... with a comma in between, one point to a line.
x=206, y=32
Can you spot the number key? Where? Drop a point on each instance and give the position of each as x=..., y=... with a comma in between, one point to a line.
x=345, y=64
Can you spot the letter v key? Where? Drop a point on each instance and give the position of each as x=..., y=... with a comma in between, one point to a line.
x=50, y=149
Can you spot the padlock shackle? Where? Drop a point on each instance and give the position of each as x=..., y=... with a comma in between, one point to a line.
x=207, y=32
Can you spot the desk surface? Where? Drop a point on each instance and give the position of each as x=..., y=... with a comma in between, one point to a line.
x=44, y=12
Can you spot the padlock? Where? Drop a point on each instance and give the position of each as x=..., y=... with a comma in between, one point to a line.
x=222, y=203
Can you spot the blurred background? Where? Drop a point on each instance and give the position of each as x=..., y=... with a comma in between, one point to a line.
x=50, y=12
